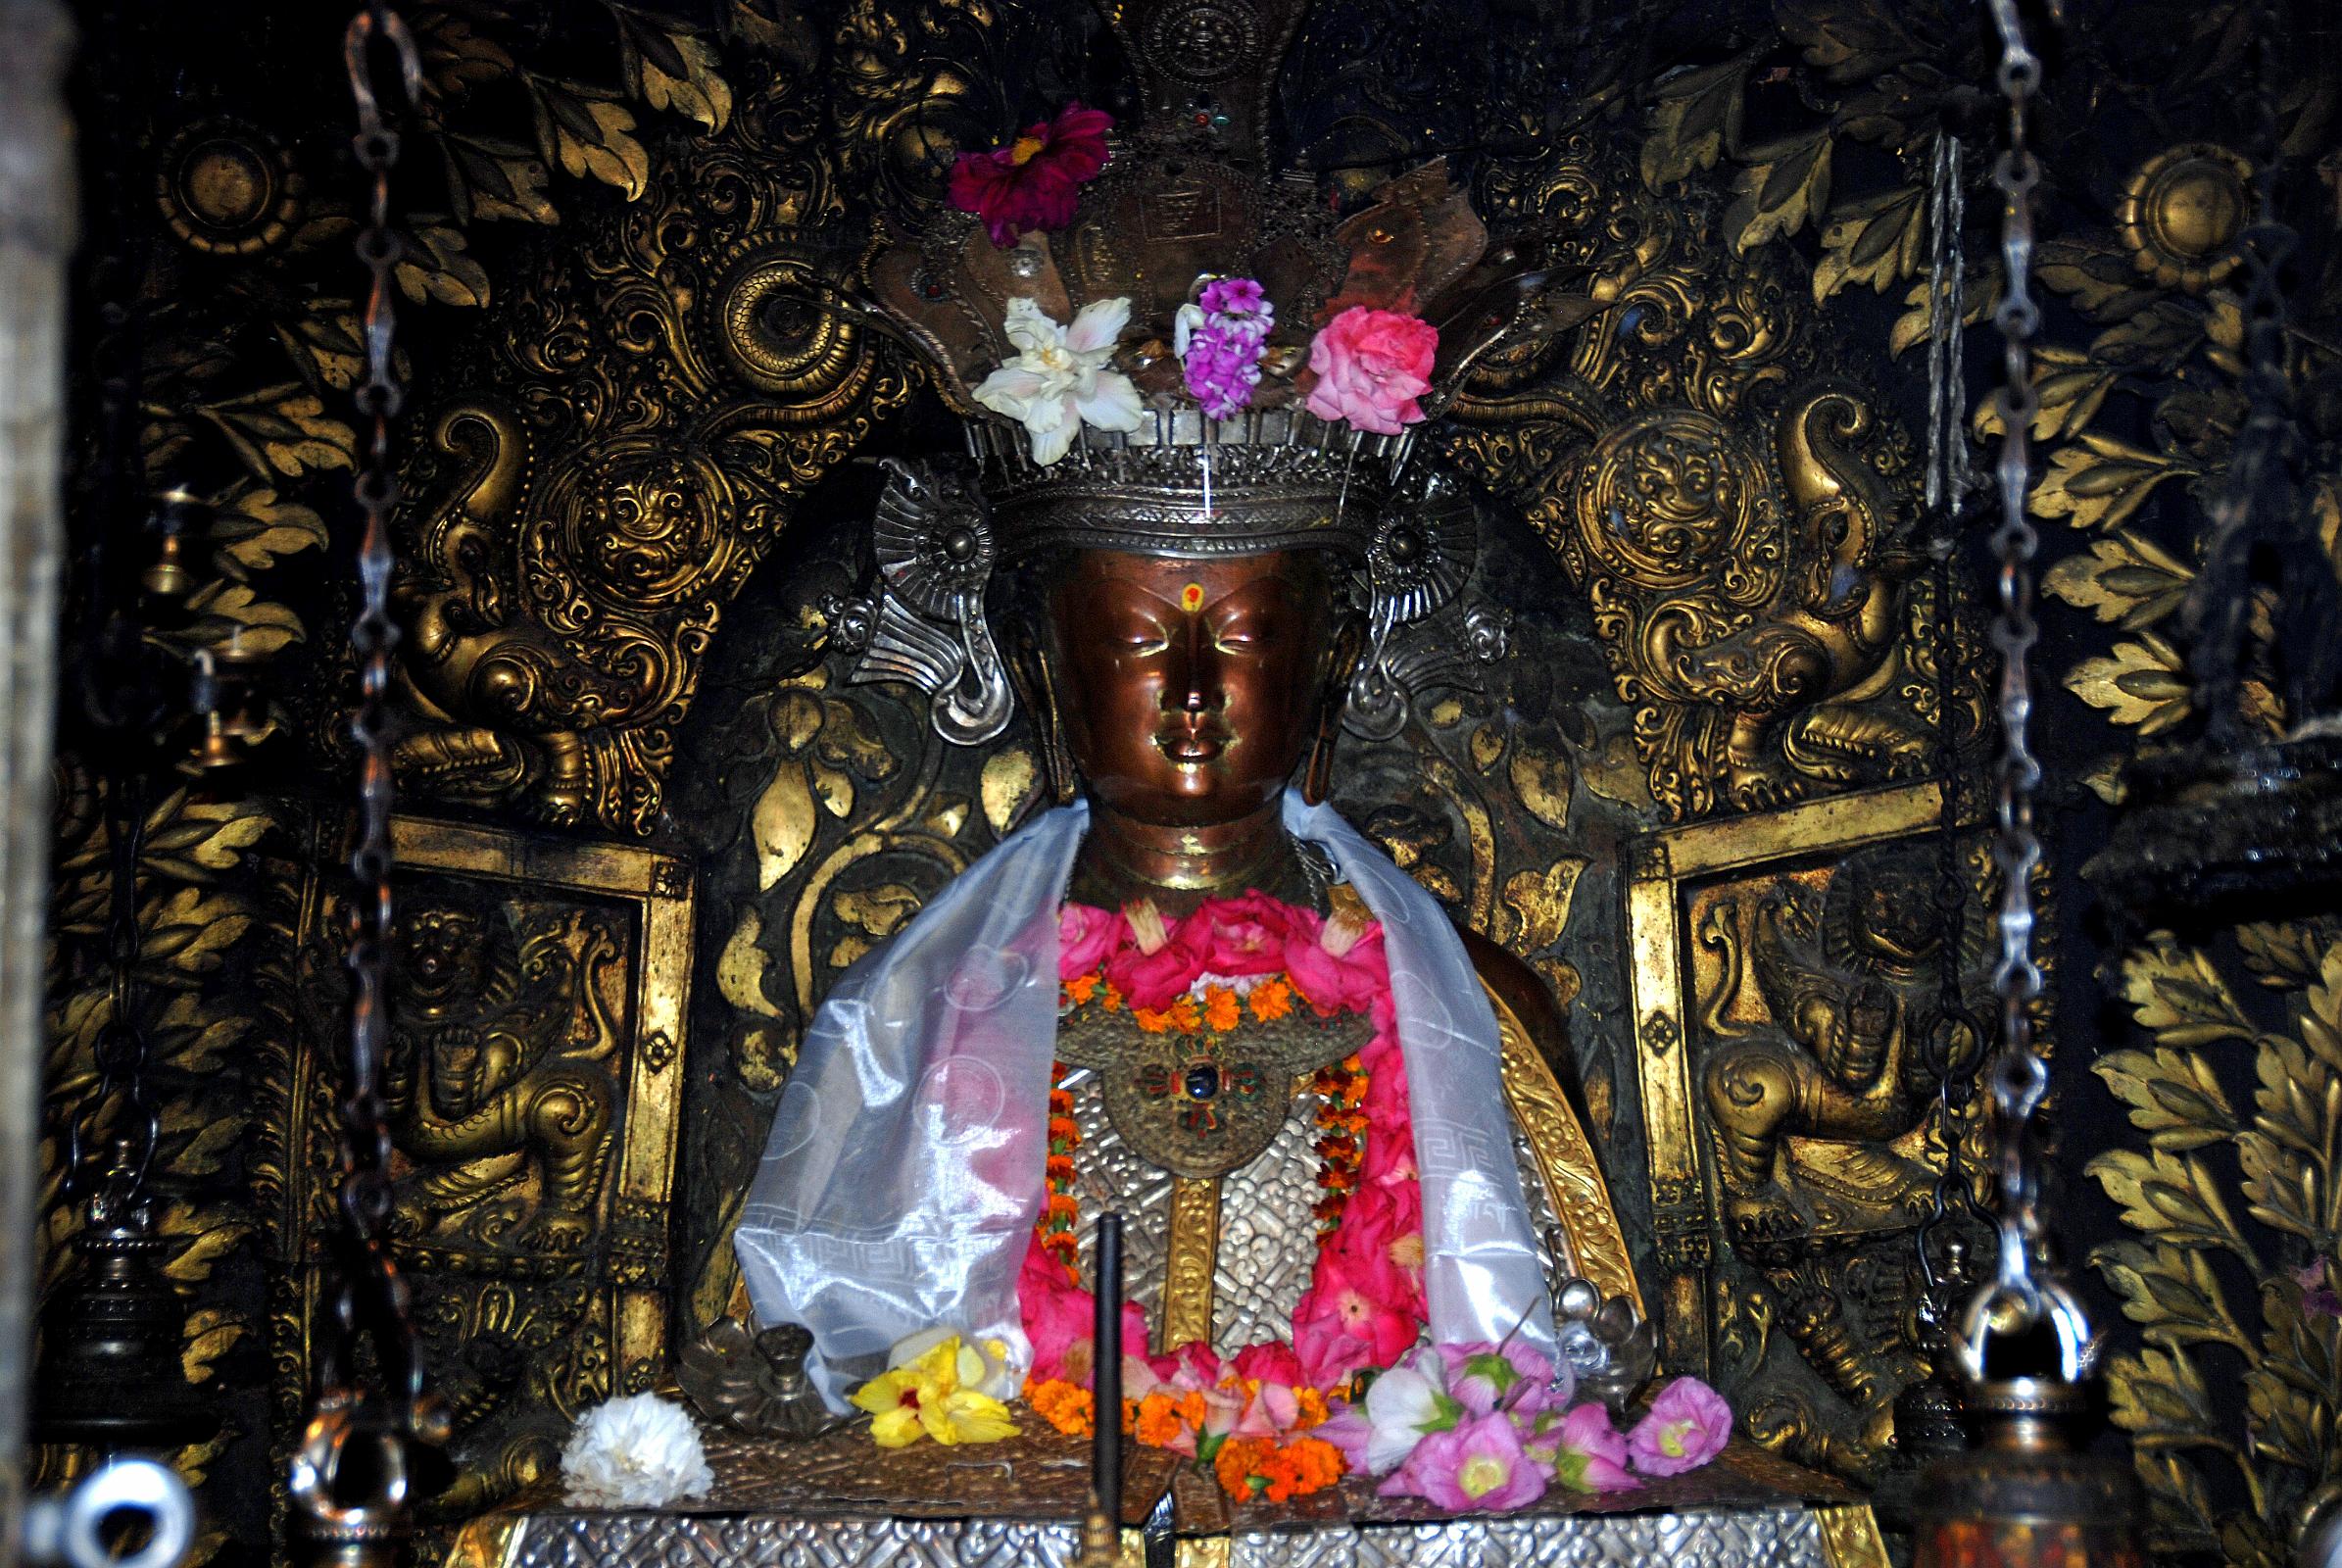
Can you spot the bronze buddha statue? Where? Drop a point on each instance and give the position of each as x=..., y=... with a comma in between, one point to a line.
x=1190, y=600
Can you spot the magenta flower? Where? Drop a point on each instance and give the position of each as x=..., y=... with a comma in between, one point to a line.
x=1587, y=1453
x=1085, y=936
x=1477, y=1466
x=1687, y=1426
x=1036, y=180
x=1220, y=341
x=1515, y=1379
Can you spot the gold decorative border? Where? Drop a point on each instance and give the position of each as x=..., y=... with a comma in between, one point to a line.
x=1850, y=1537
x=1565, y=1158
x=1659, y=865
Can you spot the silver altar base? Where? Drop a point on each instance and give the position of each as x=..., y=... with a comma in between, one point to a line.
x=839, y=1501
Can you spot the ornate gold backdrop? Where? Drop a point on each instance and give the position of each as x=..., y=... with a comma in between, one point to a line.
x=650, y=821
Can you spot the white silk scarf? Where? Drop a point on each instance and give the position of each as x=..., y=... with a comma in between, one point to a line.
x=904, y=1168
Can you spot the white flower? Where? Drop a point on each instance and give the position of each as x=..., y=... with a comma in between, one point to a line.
x=1402, y=1405
x=636, y=1452
x=1058, y=380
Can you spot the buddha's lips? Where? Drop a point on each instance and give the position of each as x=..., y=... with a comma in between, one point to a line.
x=1191, y=744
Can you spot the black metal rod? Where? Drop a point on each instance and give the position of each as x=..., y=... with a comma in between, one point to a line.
x=1106, y=1454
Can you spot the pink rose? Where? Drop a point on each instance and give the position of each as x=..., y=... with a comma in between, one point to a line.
x=1371, y=367
x=1361, y=1309
x=1240, y=936
x=1151, y=980
x=1193, y=1365
x=1479, y=1467
x=1687, y=1426
x=1268, y=1363
x=1060, y=1317
x=1085, y=936
x=1331, y=982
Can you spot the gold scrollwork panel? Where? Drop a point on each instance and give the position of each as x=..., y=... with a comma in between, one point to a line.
x=1786, y=973
x=536, y=1096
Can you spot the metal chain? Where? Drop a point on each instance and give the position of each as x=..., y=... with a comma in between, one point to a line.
x=2019, y=1077
x=1949, y=484
x=366, y=1298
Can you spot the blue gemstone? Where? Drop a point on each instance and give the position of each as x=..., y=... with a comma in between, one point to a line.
x=1202, y=1081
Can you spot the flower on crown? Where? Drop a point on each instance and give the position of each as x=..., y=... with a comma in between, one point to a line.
x=1059, y=379
x=1034, y=182
x=1220, y=340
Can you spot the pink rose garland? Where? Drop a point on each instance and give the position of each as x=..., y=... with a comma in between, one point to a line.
x=1371, y=368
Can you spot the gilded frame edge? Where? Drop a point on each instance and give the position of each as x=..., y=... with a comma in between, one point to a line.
x=1659, y=865
x=660, y=885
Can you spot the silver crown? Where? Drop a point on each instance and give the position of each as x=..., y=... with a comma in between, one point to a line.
x=1411, y=535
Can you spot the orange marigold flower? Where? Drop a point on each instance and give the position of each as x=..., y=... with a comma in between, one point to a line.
x=1059, y=1168
x=1062, y=1404
x=1081, y=988
x=1062, y=1206
x=1239, y=1465
x=1064, y=1129
x=1192, y=1408
x=1271, y=1001
x=1154, y=1021
x=1060, y=1101
x=1314, y=1463
x=1112, y=999
x=1065, y=1244
x=1219, y=1009
x=1158, y=1423
x=1313, y=1412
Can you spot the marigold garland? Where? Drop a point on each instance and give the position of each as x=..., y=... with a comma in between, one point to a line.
x=1341, y=1139
x=1059, y=1210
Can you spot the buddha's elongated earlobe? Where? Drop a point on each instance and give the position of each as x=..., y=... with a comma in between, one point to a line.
x=1037, y=689
x=1349, y=647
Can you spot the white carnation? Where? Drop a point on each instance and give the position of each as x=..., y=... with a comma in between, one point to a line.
x=641, y=1452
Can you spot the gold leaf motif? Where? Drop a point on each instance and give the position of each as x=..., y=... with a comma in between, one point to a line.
x=1875, y=240
x=1541, y=903
x=878, y=911
x=490, y=177
x=436, y=267
x=230, y=612
x=2072, y=387
x=2094, y=273
x=1009, y=781
x=2125, y=578
x=591, y=136
x=2175, y=994
x=193, y=930
x=2144, y=683
x=676, y=71
x=834, y=788
x=2280, y=954
x=2172, y=1094
x=1786, y=183
x=2170, y=1291
x=740, y=968
x=254, y=529
x=1978, y=299
x=323, y=341
x=282, y=430
x=1847, y=44
x=782, y=825
x=2171, y=1196
x=211, y=1332
x=1543, y=780
x=1487, y=745
x=1695, y=116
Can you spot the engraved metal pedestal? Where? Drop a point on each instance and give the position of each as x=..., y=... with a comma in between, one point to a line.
x=838, y=1500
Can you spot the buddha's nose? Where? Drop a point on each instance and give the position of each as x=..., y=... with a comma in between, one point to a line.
x=1202, y=682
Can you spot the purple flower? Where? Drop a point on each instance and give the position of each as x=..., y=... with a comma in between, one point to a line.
x=1687, y=1425
x=1220, y=342
x=1479, y=1465
x=2318, y=1296
x=1236, y=296
x=1587, y=1453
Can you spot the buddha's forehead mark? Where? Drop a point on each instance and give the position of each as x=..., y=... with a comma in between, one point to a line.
x=1190, y=597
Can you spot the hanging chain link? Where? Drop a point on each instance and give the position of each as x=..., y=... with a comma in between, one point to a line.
x=1949, y=486
x=365, y=1298
x=2020, y=1293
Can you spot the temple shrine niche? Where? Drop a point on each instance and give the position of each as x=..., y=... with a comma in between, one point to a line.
x=1199, y=782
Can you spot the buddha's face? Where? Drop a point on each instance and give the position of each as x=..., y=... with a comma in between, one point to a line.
x=1190, y=689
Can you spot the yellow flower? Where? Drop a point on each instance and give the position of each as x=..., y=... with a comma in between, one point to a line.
x=928, y=1395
